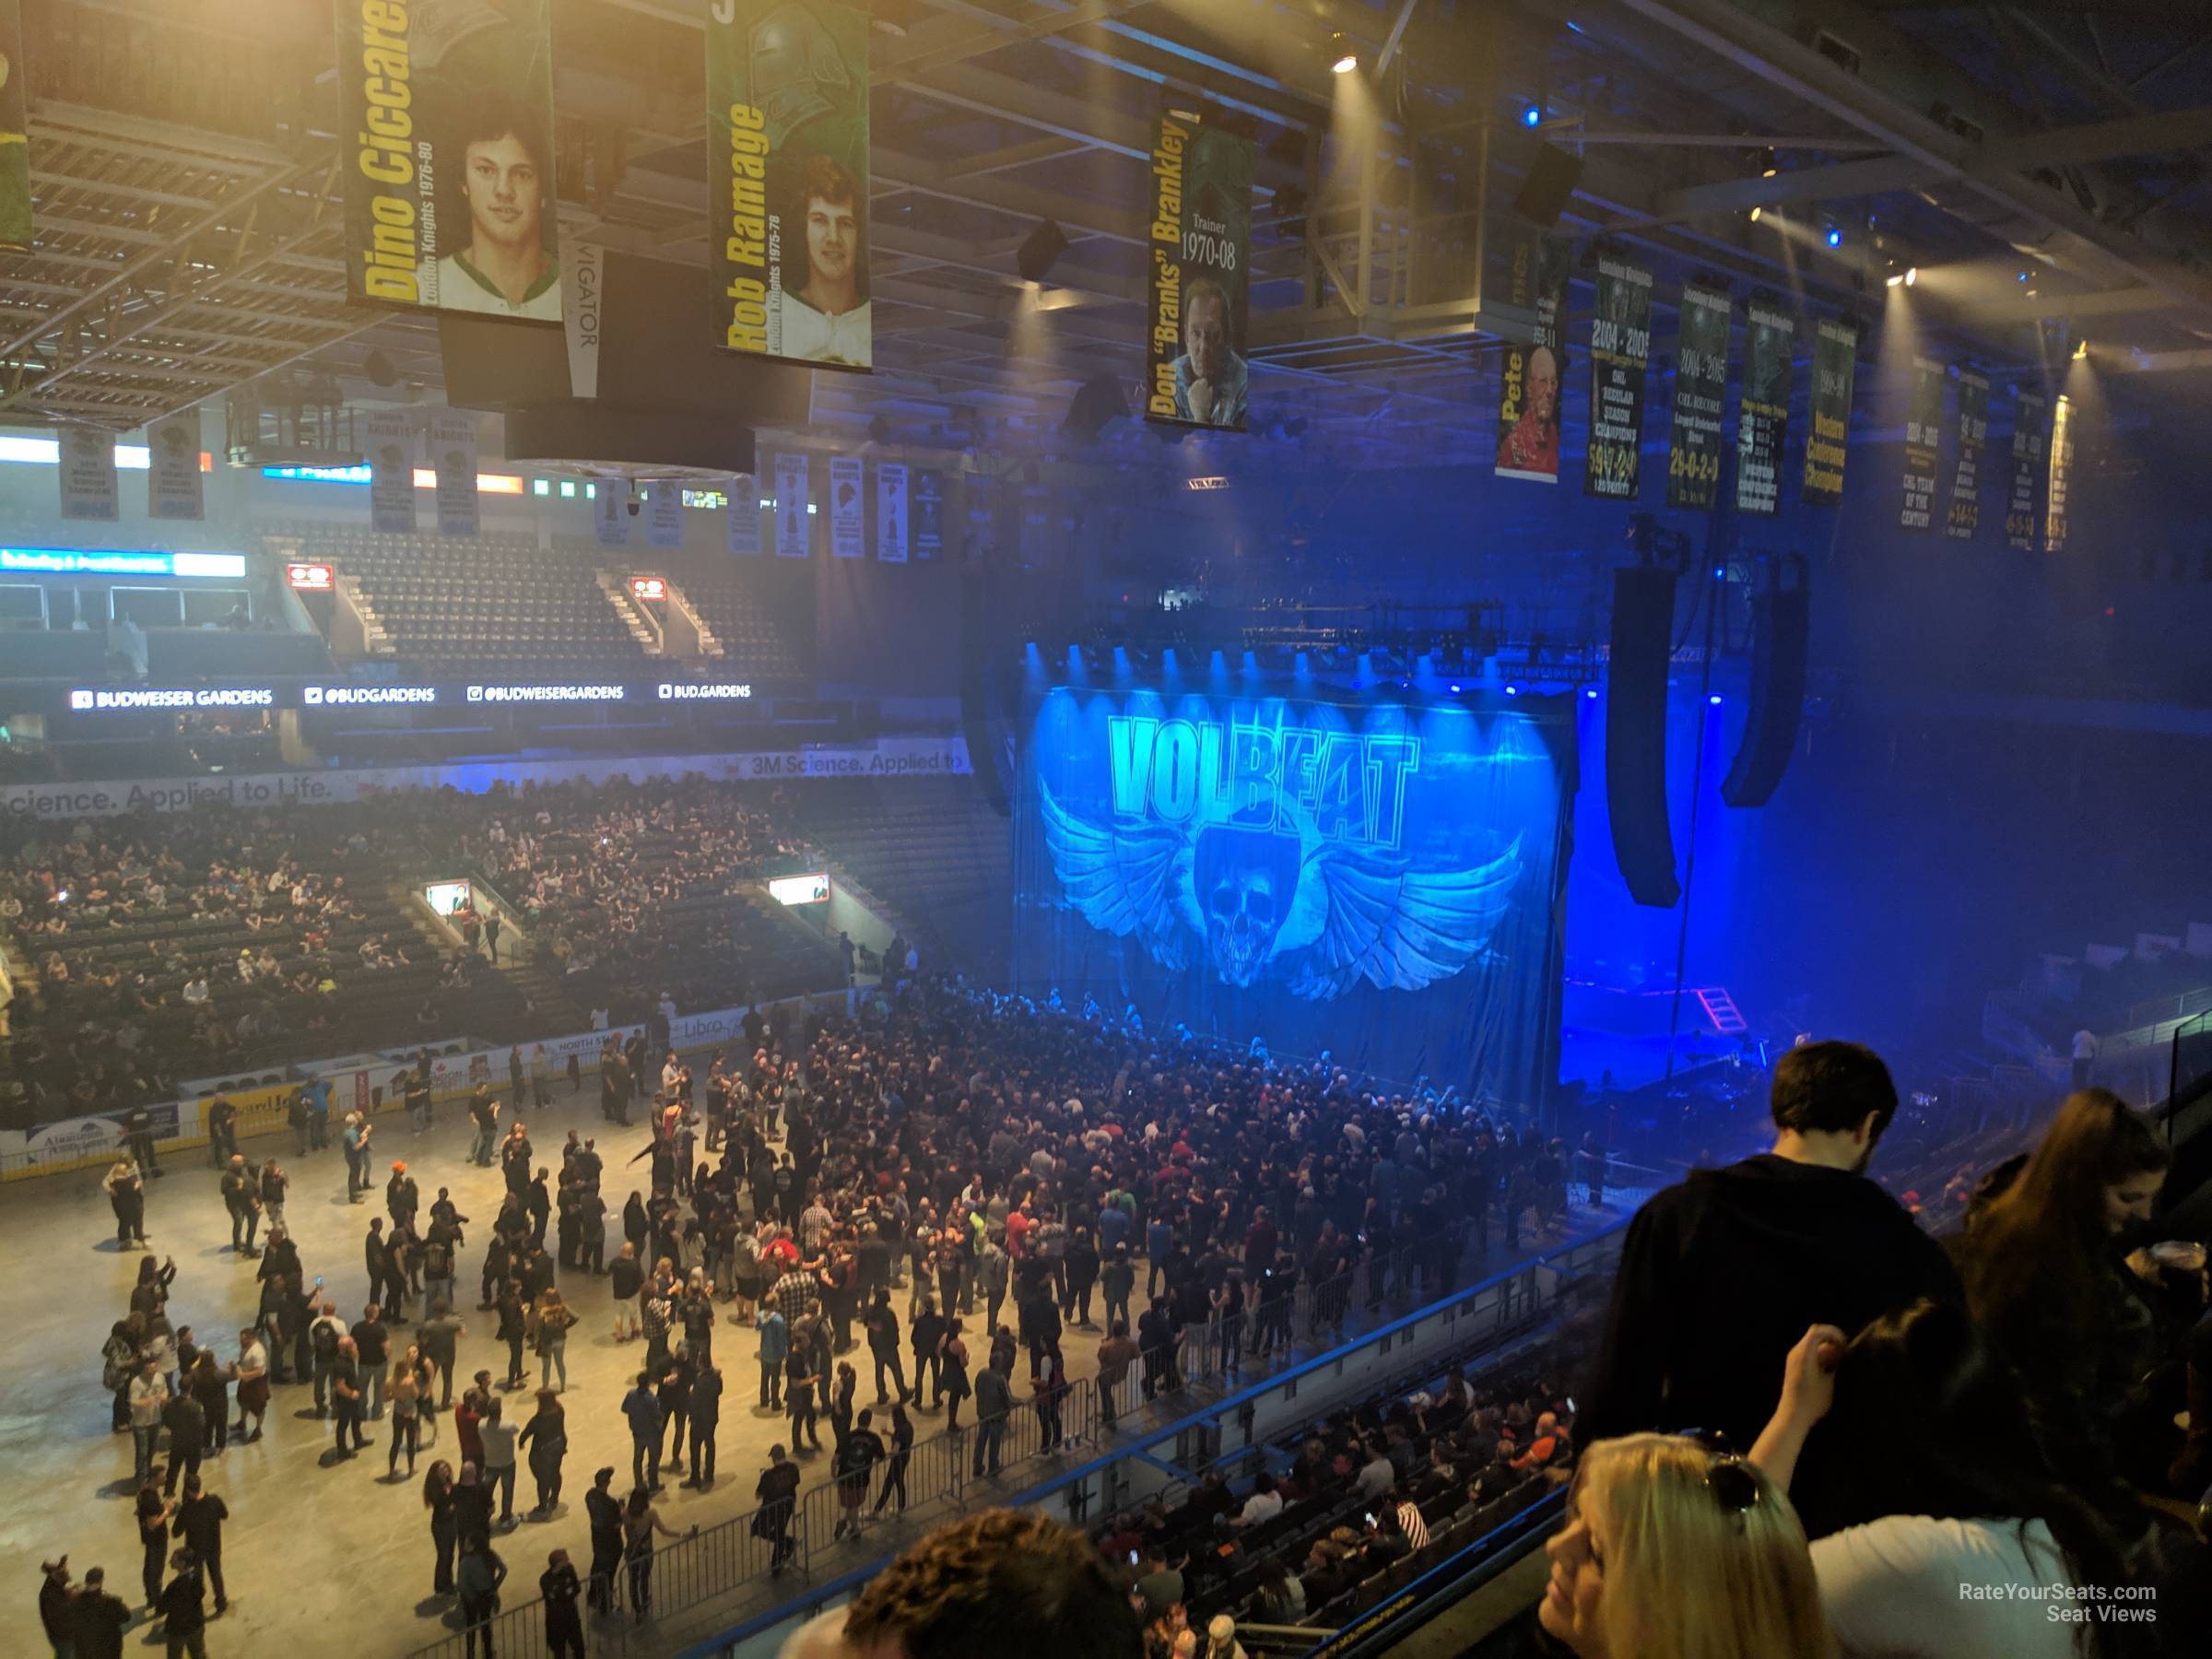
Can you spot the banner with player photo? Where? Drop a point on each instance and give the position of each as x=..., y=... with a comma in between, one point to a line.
x=15, y=132
x=2026, y=481
x=1964, y=516
x=794, y=509
x=891, y=512
x=2061, y=471
x=664, y=514
x=449, y=171
x=929, y=514
x=787, y=176
x=389, y=437
x=744, y=513
x=87, y=473
x=1197, y=371
x=1620, y=349
x=1693, y=457
x=1923, y=443
x=172, y=472
x=610, y=512
x=453, y=457
x=1835, y=367
x=1764, y=420
x=848, y=507
x=1528, y=398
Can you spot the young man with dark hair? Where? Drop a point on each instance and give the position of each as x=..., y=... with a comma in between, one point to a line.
x=826, y=319
x=1720, y=1276
x=506, y=268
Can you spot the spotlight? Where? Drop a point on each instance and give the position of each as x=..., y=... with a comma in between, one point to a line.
x=2081, y=349
x=1895, y=279
x=1512, y=690
x=1714, y=699
x=1038, y=254
x=1532, y=115
x=1755, y=213
x=1835, y=237
x=1767, y=168
x=1347, y=55
x=1912, y=274
x=2022, y=277
x=1590, y=694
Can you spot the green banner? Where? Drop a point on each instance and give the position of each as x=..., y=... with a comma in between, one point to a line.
x=2027, y=471
x=1964, y=516
x=1620, y=350
x=15, y=132
x=446, y=111
x=1764, y=420
x=787, y=178
x=1528, y=395
x=1924, y=441
x=1693, y=450
x=1835, y=367
x=2061, y=471
x=1196, y=367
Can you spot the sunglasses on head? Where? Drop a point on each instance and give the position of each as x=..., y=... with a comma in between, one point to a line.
x=1732, y=1482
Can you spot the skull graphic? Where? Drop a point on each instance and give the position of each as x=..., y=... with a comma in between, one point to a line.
x=1244, y=880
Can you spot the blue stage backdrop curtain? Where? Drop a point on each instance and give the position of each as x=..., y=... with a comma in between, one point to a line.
x=1383, y=881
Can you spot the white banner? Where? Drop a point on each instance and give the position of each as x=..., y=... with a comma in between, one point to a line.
x=891, y=512
x=892, y=757
x=744, y=514
x=665, y=511
x=172, y=473
x=453, y=451
x=610, y=512
x=584, y=265
x=848, y=507
x=390, y=439
x=794, y=509
x=87, y=473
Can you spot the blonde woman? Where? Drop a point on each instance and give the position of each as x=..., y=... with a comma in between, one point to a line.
x=1673, y=1551
x=403, y=1392
x=550, y=1321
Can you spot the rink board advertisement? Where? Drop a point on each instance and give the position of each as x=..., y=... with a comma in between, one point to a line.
x=1196, y=370
x=1361, y=879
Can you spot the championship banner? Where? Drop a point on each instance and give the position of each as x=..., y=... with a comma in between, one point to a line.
x=664, y=514
x=1620, y=349
x=1964, y=516
x=388, y=435
x=929, y=514
x=787, y=170
x=1765, y=417
x=891, y=512
x=2062, y=467
x=848, y=507
x=172, y=472
x=1693, y=459
x=1195, y=359
x=610, y=512
x=585, y=292
x=15, y=132
x=794, y=521
x=449, y=178
x=1835, y=367
x=87, y=473
x=1924, y=440
x=1528, y=399
x=2027, y=472
x=744, y=513
x=453, y=453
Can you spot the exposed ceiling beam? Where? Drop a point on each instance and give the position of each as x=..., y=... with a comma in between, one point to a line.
x=2110, y=303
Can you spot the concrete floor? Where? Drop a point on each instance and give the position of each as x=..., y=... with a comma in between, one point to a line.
x=337, y=1554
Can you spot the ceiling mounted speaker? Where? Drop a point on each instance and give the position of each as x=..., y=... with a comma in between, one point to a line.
x=1548, y=186
x=1039, y=252
x=1096, y=402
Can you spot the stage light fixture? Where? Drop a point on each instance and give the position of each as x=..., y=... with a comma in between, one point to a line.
x=2022, y=277
x=1714, y=699
x=1895, y=279
x=1512, y=690
x=1912, y=274
x=1532, y=115
x=1040, y=252
x=2081, y=349
x=1767, y=168
x=1347, y=55
x=1755, y=213
x=1835, y=236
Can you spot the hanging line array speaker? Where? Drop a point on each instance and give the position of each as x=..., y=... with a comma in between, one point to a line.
x=1781, y=624
x=1643, y=620
x=979, y=722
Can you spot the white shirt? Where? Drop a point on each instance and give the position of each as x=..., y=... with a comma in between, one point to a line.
x=1908, y=1585
x=1261, y=1506
x=2085, y=1045
x=844, y=338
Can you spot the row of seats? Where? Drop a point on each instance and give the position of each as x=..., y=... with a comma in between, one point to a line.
x=932, y=849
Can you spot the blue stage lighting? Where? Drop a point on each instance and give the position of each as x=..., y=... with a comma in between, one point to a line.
x=1120, y=659
x=1590, y=694
x=1512, y=690
x=1835, y=237
x=1532, y=116
x=1455, y=687
x=1168, y=662
x=1714, y=699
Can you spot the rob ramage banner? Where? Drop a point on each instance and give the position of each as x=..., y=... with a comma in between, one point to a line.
x=1528, y=396
x=1923, y=443
x=1835, y=367
x=787, y=173
x=1197, y=371
x=446, y=117
x=1620, y=349
x=1764, y=419
x=2027, y=472
x=1693, y=460
x=1964, y=516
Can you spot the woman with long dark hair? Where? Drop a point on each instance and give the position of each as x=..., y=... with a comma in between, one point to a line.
x=1957, y=1537
x=639, y=1522
x=902, y=1454
x=438, y=1498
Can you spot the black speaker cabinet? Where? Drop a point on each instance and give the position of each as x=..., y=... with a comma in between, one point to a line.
x=1643, y=620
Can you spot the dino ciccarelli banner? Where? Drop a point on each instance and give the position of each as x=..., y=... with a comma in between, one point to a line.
x=1693, y=448
x=1620, y=349
x=1764, y=419
x=1835, y=363
x=1196, y=370
x=445, y=124
x=787, y=179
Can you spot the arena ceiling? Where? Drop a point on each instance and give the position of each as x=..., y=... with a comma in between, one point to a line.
x=2042, y=164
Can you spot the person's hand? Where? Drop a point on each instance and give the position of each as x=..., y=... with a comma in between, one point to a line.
x=1201, y=392
x=1808, y=1379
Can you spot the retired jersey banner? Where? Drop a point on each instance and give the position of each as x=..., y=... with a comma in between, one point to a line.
x=891, y=512
x=1620, y=349
x=1963, y=517
x=744, y=513
x=1765, y=417
x=1835, y=367
x=610, y=512
x=664, y=514
x=929, y=514
x=1693, y=457
x=794, y=509
x=87, y=473
x=15, y=132
x=2027, y=472
x=389, y=437
x=453, y=457
x=787, y=180
x=1196, y=372
x=2062, y=470
x=1528, y=398
x=848, y=507
x=445, y=109
x=1923, y=442
x=172, y=471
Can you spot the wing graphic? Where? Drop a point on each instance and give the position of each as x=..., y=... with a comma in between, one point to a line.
x=1127, y=878
x=1394, y=926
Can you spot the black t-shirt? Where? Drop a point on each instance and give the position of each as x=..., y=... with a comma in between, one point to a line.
x=183, y=1604
x=372, y=1339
